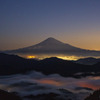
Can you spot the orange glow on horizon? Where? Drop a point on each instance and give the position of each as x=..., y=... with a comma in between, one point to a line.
x=48, y=56
x=68, y=57
x=89, y=85
x=50, y=82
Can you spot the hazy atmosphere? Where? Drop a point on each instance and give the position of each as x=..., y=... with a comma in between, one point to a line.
x=49, y=49
x=28, y=22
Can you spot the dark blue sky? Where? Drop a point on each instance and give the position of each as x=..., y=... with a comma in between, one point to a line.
x=26, y=22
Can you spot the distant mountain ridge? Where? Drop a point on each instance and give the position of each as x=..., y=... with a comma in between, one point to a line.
x=12, y=64
x=53, y=46
x=88, y=61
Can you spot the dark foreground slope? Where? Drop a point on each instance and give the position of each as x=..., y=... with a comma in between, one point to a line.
x=8, y=96
x=94, y=96
x=11, y=64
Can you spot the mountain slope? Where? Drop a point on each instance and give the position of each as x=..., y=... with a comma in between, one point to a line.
x=53, y=46
x=49, y=44
x=88, y=61
x=11, y=64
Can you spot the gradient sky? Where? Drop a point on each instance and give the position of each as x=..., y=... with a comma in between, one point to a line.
x=27, y=22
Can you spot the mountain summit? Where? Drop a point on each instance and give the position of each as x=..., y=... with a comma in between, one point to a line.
x=53, y=46
x=51, y=40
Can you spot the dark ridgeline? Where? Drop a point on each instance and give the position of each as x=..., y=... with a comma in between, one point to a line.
x=88, y=61
x=12, y=64
x=50, y=96
x=8, y=96
x=67, y=95
x=46, y=96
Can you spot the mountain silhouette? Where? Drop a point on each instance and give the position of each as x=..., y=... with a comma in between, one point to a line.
x=48, y=45
x=53, y=46
x=12, y=64
x=4, y=95
x=88, y=61
x=94, y=96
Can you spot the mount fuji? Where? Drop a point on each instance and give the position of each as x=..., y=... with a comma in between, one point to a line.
x=53, y=46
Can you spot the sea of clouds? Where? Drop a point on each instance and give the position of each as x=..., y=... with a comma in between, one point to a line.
x=35, y=83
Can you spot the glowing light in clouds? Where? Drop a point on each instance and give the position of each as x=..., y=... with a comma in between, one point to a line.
x=31, y=57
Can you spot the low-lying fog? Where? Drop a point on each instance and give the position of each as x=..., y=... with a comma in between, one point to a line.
x=35, y=83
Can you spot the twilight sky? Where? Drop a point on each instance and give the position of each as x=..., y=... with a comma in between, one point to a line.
x=27, y=22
